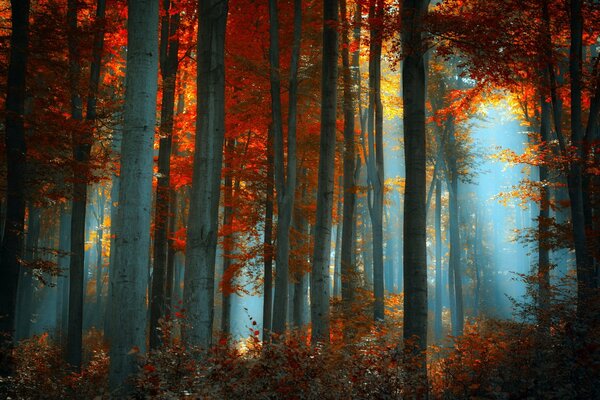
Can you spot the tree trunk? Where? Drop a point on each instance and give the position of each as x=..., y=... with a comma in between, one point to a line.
x=131, y=259
x=228, y=199
x=27, y=282
x=171, y=254
x=338, y=245
x=285, y=184
x=14, y=141
x=348, y=262
x=62, y=299
x=455, y=246
x=82, y=145
x=268, y=245
x=322, y=243
x=584, y=273
x=375, y=158
x=438, y=328
x=99, y=261
x=415, y=253
x=206, y=182
x=544, y=213
x=169, y=47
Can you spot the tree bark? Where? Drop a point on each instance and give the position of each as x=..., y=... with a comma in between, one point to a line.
x=27, y=281
x=14, y=140
x=438, y=328
x=322, y=243
x=206, y=181
x=544, y=213
x=415, y=254
x=337, y=290
x=375, y=159
x=348, y=262
x=455, y=244
x=131, y=259
x=82, y=146
x=268, y=245
x=169, y=47
x=584, y=273
x=285, y=183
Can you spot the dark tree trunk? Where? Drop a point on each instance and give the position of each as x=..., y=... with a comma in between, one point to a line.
x=455, y=244
x=268, y=245
x=375, y=159
x=62, y=299
x=285, y=183
x=348, y=262
x=544, y=213
x=169, y=47
x=584, y=273
x=27, y=281
x=82, y=145
x=14, y=141
x=228, y=199
x=415, y=253
x=322, y=243
x=438, y=328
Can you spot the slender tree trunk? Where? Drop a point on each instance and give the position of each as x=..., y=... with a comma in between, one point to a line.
x=438, y=328
x=544, y=213
x=174, y=208
x=169, y=47
x=375, y=158
x=27, y=282
x=206, y=182
x=99, y=261
x=415, y=253
x=477, y=259
x=268, y=245
x=584, y=275
x=455, y=244
x=131, y=259
x=228, y=199
x=82, y=145
x=62, y=299
x=318, y=288
x=171, y=253
x=14, y=141
x=338, y=245
x=348, y=248
x=284, y=183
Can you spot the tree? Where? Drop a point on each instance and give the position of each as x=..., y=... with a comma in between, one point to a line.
x=438, y=328
x=199, y=279
x=348, y=270
x=82, y=146
x=415, y=255
x=319, y=304
x=375, y=167
x=14, y=139
x=285, y=182
x=169, y=47
x=130, y=278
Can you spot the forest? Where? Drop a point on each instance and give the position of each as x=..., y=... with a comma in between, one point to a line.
x=300, y=199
